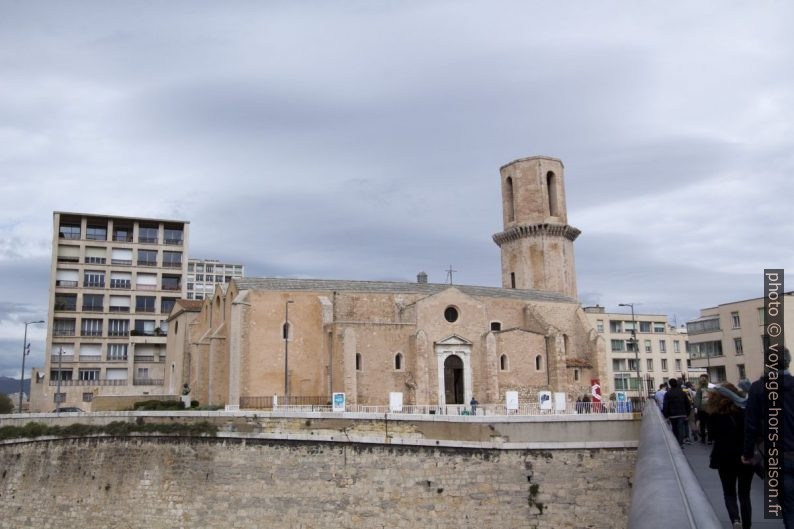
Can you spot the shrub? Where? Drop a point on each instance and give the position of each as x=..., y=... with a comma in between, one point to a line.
x=154, y=405
x=6, y=406
x=116, y=428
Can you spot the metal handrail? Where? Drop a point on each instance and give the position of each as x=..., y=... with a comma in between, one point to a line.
x=666, y=493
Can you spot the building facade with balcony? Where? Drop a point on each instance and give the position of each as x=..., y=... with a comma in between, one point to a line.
x=662, y=349
x=113, y=283
x=728, y=340
x=204, y=274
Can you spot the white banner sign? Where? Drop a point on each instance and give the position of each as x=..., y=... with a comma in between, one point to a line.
x=339, y=402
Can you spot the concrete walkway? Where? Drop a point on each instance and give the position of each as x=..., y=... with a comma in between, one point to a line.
x=698, y=456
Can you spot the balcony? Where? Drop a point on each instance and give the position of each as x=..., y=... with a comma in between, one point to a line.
x=117, y=358
x=99, y=382
x=94, y=284
x=177, y=264
x=167, y=286
x=146, y=263
x=120, y=283
x=72, y=236
x=93, y=308
x=173, y=242
x=95, y=260
x=70, y=307
x=68, y=259
x=147, y=240
x=90, y=333
x=122, y=238
x=144, y=309
x=113, y=308
x=144, y=358
x=63, y=332
x=65, y=283
x=147, y=381
x=145, y=287
x=121, y=262
x=90, y=358
x=117, y=333
x=64, y=359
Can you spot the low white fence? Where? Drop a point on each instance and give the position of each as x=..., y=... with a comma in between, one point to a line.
x=526, y=409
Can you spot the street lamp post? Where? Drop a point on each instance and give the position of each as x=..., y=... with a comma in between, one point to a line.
x=25, y=352
x=60, y=376
x=286, y=330
x=636, y=344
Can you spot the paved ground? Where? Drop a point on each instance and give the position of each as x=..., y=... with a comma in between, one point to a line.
x=698, y=456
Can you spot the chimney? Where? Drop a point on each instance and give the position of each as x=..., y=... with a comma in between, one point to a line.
x=421, y=277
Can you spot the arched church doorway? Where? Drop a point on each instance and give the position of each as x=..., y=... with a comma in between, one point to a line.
x=453, y=380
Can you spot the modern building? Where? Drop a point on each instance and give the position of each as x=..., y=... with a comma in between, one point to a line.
x=662, y=349
x=113, y=282
x=728, y=340
x=204, y=274
x=437, y=344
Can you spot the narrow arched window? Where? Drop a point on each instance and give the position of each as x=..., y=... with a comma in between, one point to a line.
x=398, y=361
x=567, y=343
x=285, y=329
x=358, y=361
x=551, y=187
x=575, y=375
x=509, y=199
x=538, y=363
x=503, y=363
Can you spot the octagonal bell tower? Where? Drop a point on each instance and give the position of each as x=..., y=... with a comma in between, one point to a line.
x=536, y=242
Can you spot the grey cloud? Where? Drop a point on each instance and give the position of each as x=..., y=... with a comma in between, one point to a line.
x=363, y=141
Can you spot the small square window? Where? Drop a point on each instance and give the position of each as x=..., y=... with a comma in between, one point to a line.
x=88, y=397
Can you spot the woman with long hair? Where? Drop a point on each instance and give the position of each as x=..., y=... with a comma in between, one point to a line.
x=726, y=427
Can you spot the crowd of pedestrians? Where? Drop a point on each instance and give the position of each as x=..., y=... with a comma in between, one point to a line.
x=731, y=419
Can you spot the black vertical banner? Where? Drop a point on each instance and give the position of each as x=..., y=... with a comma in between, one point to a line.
x=774, y=343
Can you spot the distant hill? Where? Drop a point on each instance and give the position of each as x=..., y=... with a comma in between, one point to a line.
x=11, y=385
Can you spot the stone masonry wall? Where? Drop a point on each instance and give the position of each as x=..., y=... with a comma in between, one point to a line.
x=169, y=482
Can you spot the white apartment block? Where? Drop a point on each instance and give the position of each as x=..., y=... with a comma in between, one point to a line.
x=662, y=349
x=113, y=282
x=728, y=340
x=204, y=274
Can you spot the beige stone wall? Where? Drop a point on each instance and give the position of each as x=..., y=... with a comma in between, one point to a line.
x=208, y=483
x=329, y=329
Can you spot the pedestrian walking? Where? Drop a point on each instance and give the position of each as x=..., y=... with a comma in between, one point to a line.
x=473, y=403
x=659, y=396
x=726, y=429
x=701, y=404
x=676, y=408
x=757, y=411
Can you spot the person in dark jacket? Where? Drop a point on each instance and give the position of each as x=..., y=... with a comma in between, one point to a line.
x=676, y=408
x=726, y=427
x=757, y=411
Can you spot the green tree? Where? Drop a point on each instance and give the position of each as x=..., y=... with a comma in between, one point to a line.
x=6, y=406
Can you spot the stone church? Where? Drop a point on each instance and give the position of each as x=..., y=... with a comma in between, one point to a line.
x=435, y=343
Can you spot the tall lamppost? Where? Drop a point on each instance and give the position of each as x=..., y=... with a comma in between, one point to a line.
x=60, y=377
x=25, y=352
x=636, y=344
x=286, y=330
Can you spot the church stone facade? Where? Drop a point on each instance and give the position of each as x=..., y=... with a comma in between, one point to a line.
x=435, y=343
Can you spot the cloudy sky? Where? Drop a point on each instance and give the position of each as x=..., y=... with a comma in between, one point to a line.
x=362, y=140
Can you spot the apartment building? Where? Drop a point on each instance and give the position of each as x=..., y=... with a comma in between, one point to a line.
x=204, y=274
x=113, y=282
x=662, y=349
x=728, y=340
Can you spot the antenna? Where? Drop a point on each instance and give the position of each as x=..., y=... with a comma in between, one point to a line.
x=449, y=272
